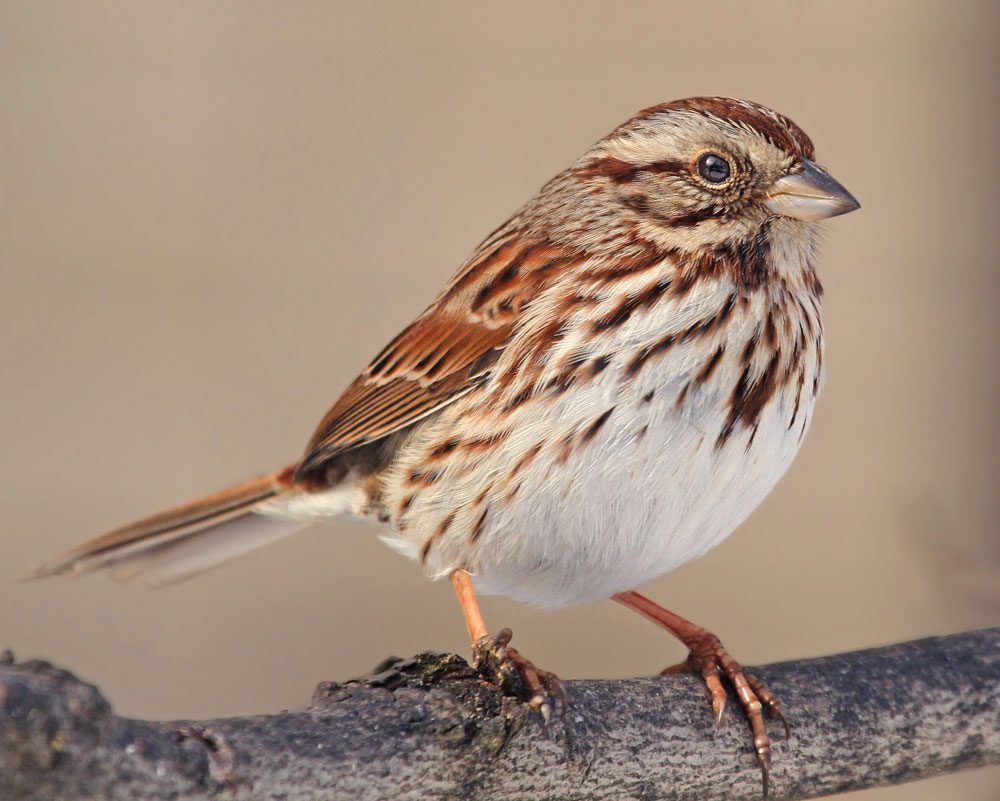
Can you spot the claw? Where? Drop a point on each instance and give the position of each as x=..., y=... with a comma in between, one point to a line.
x=554, y=689
x=499, y=663
x=718, y=709
x=546, y=710
x=770, y=702
x=709, y=659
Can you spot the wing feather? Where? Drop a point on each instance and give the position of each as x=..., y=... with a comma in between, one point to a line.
x=403, y=391
x=447, y=351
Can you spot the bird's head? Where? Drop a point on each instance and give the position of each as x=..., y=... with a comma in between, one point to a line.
x=706, y=170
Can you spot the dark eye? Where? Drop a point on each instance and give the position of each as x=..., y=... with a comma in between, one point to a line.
x=713, y=168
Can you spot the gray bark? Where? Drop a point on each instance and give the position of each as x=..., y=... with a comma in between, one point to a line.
x=430, y=728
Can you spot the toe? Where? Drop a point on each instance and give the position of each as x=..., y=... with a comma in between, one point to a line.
x=516, y=675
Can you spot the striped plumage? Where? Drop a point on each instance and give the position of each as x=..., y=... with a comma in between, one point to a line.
x=615, y=417
x=608, y=386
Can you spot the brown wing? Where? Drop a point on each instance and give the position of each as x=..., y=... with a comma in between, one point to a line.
x=429, y=365
x=441, y=356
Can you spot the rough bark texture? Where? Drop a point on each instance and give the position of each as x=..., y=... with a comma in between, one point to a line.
x=429, y=728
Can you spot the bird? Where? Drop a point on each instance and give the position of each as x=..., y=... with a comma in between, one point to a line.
x=608, y=386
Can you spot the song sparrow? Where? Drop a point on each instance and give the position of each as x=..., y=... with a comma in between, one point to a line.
x=608, y=386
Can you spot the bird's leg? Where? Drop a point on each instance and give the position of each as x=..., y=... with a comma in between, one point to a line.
x=708, y=658
x=498, y=662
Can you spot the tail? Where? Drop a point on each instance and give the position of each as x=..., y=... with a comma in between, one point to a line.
x=184, y=541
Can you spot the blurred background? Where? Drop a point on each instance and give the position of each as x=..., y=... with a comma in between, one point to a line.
x=213, y=214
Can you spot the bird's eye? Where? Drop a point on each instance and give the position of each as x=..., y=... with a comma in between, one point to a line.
x=713, y=168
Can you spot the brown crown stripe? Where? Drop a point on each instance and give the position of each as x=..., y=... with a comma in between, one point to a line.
x=776, y=128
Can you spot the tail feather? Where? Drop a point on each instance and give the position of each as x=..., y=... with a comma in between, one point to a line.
x=185, y=540
x=185, y=558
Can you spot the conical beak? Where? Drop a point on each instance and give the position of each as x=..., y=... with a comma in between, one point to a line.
x=809, y=195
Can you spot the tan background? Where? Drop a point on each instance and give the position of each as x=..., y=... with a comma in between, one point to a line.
x=212, y=214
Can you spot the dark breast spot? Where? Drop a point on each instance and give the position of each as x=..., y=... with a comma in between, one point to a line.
x=477, y=529
x=599, y=364
x=591, y=431
x=441, y=530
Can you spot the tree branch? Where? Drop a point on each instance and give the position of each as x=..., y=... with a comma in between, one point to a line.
x=429, y=728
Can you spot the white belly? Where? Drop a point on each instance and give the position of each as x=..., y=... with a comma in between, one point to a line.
x=651, y=490
x=630, y=507
x=573, y=494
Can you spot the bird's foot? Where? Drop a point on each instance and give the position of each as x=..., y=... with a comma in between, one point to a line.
x=711, y=661
x=500, y=664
